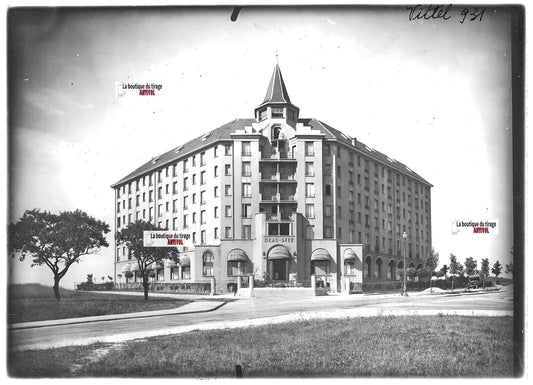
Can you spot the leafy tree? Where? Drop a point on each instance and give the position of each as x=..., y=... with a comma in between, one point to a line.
x=497, y=268
x=423, y=273
x=456, y=268
x=471, y=266
x=485, y=269
x=411, y=273
x=57, y=241
x=509, y=268
x=444, y=269
x=432, y=260
x=90, y=279
x=132, y=237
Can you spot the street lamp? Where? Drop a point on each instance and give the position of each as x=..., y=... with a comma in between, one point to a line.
x=404, y=235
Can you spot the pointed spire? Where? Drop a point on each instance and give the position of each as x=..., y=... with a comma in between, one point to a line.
x=276, y=92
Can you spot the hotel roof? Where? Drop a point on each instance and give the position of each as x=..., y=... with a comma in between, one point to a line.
x=223, y=133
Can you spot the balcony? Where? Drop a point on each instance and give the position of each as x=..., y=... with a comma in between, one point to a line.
x=280, y=217
x=278, y=198
x=277, y=177
x=277, y=157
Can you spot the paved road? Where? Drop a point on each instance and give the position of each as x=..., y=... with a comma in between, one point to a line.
x=249, y=310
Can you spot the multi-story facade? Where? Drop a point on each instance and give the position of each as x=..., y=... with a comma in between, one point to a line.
x=281, y=197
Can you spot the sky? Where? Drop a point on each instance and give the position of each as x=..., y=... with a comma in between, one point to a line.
x=432, y=94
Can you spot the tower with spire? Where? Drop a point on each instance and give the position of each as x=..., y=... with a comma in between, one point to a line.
x=277, y=105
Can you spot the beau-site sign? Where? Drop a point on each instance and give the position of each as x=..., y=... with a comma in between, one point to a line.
x=166, y=239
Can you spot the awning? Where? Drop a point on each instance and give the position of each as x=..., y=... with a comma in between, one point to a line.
x=279, y=252
x=349, y=254
x=170, y=263
x=185, y=261
x=320, y=255
x=126, y=268
x=237, y=255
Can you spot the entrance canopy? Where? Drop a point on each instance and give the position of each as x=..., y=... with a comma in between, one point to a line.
x=320, y=255
x=279, y=252
x=237, y=255
x=349, y=254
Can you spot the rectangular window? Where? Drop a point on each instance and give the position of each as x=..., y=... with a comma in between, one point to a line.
x=246, y=149
x=327, y=149
x=215, y=232
x=277, y=112
x=202, y=198
x=227, y=169
x=175, y=187
x=310, y=211
x=327, y=169
x=202, y=217
x=167, y=207
x=247, y=210
x=202, y=159
x=185, y=184
x=246, y=190
x=328, y=189
x=185, y=203
x=227, y=190
x=310, y=190
x=193, y=218
x=227, y=149
x=327, y=211
x=228, y=233
x=185, y=166
x=216, y=171
x=174, y=223
x=327, y=232
x=216, y=191
x=309, y=169
x=202, y=178
x=215, y=151
x=227, y=211
x=216, y=212
x=309, y=149
x=185, y=224
x=194, y=179
x=247, y=232
x=246, y=169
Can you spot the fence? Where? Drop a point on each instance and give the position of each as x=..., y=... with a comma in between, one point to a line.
x=168, y=287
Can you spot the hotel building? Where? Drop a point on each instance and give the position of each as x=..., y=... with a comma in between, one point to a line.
x=279, y=197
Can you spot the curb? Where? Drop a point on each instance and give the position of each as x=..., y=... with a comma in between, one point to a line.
x=185, y=309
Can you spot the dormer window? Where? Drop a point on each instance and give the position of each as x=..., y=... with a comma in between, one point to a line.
x=263, y=114
x=277, y=112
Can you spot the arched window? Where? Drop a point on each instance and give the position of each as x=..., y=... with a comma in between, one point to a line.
x=391, y=274
x=378, y=271
x=207, y=264
x=400, y=267
x=275, y=132
x=368, y=267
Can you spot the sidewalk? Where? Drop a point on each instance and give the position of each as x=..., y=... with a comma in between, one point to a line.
x=193, y=307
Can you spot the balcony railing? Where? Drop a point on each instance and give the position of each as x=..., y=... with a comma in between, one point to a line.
x=277, y=177
x=277, y=156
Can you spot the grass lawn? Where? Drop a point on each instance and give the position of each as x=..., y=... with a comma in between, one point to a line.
x=33, y=302
x=444, y=346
